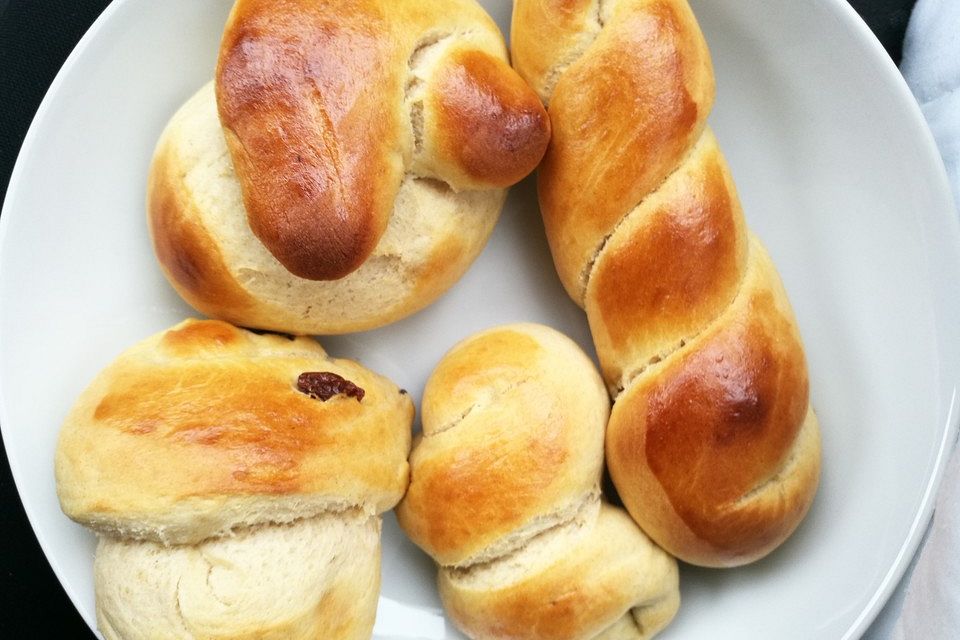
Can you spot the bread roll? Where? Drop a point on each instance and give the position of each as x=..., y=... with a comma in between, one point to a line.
x=505, y=496
x=346, y=166
x=236, y=481
x=712, y=443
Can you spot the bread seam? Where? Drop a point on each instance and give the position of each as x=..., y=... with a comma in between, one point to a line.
x=587, y=273
x=163, y=537
x=498, y=392
x=179, y=608
x=586, y=502
x=629, y=377
x=556, y=71
x=414, y=85
x=206, y=579
x=413, y=94
x=783, y=471
x=634, y=614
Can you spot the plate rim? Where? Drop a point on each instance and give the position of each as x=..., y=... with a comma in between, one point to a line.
x=951, y=430
x=889, y=74
x=13, y=186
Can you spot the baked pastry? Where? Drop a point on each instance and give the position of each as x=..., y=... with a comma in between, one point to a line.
x=505, y=496
x=235, y=481
x=712, y=443
x=347, y=165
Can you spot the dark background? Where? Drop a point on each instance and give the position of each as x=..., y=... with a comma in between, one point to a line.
x=35, y=38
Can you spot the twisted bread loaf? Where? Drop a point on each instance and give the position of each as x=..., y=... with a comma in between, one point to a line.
x=349, y=165
x=711, y=443
x=236, y=483
x=504, y=495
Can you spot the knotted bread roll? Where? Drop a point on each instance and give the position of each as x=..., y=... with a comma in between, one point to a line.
x=236, y=483
x=347, y=165
x=712, y=443
x=505, y=496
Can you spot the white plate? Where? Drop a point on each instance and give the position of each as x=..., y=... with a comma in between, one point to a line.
x=838, y=175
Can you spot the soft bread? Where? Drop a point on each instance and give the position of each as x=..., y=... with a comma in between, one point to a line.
x=255, y=460
x=349, y=166
x=515, y=413
x=569, y=582
x=735, y=396
x=315, y=578
x=504, y=495
x=712, y=443
x=222, y=437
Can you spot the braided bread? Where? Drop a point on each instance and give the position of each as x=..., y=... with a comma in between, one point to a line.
x=505, y=496
x=347, y=165
x=712, y=443
x=236, y=483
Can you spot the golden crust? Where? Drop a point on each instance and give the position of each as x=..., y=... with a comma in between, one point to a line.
x=504, y=495
x=673, y=265
x=312, y=99
x=202, y=428
x=187, y=254
x=512, y=433
x=712, y=443
x=549, y=35
x=706, y=448
x=485, y=126
x=649, y=71
x=208, y=253
x=609, y=572
x=300, y=89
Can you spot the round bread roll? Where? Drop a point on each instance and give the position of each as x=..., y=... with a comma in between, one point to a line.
x=712, y=443
x=236, y=481
x=505, y=496
x=346, y=166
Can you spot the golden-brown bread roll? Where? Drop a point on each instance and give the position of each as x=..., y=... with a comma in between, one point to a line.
x=236, y=481
x=347, y=167
x=712, y=443
x=505, y=496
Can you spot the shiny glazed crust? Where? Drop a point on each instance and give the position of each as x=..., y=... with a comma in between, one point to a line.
x=201, y=430
x=517, y=413
x=504, y=495
x=324, y=116
x=206, y=249
x=712, y=443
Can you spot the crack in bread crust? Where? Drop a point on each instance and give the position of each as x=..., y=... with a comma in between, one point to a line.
x=597, y=22
x=415, y=84
x=573, y=516
x=490, y=399
x=587, y=272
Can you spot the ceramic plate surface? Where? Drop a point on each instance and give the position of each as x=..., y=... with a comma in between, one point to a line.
x=837, y=173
